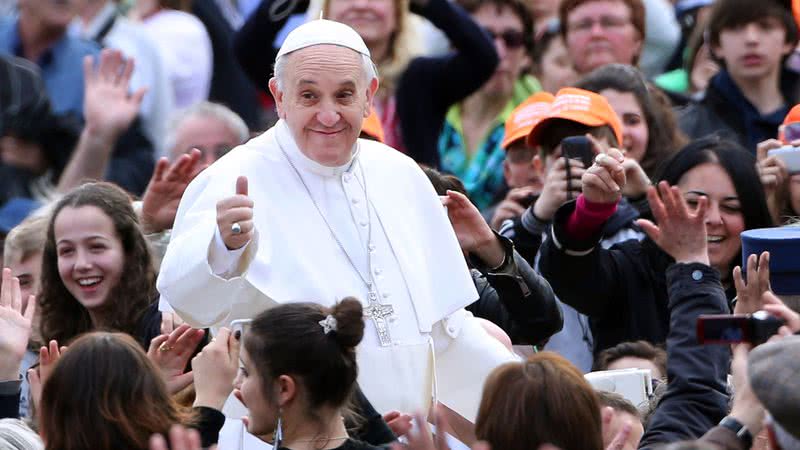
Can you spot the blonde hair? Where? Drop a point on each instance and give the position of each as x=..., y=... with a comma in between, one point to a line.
x=25, y=239
x=404, y=45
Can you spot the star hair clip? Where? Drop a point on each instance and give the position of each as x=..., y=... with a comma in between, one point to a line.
x=328, y=324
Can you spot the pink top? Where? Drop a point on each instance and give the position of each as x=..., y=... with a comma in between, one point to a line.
x=588, y=218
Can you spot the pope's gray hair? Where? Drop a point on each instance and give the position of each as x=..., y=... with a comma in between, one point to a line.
x=370, y=71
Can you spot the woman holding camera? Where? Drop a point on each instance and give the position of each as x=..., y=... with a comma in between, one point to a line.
x=623, y=289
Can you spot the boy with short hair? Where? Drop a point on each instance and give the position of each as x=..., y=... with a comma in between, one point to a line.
x=748, y=99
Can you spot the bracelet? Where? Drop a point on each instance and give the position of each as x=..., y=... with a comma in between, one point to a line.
x=739, y=429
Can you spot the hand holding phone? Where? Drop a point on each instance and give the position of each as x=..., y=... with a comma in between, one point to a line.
x=754, y=328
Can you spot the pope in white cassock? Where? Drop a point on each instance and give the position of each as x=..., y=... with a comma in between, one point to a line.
x=309, y=212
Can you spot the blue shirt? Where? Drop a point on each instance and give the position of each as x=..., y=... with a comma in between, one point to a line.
x=61, y=65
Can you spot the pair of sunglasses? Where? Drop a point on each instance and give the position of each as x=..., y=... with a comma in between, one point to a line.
x=512, y=38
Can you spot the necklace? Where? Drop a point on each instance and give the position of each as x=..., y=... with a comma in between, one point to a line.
x=376, y=311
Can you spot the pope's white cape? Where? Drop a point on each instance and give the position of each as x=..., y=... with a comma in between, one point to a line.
x=293, y=253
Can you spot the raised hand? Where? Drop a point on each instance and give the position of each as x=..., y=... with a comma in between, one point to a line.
x=15, y=326
x=514, y=205
x=680, y=232
x=236, y=214
x=215, y=369
x=48, y=357
x=473, y=233
x=749, y=294
x=170, y=353
x=163, y=195
x=774, y=176
x=107, y=106
x=605, y=180
x=558, y=187
x=746, y=407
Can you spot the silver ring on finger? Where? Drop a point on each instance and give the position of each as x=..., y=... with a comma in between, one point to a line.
x=599, y=158
x=236, y=228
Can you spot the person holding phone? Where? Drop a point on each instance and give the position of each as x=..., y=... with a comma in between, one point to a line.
x=562, y=152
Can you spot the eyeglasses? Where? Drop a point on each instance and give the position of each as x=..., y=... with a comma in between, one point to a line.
x=512, y=38
x=606, y=23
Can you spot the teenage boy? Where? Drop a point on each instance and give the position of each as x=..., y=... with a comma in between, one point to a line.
x=748, y=99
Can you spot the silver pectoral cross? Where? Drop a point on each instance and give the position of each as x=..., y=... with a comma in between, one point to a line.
x=379, y=313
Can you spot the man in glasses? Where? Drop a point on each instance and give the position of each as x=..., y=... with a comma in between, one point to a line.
x=600, y=32
x=469, y=145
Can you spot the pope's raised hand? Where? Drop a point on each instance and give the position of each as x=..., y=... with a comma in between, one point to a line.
x=235, y=217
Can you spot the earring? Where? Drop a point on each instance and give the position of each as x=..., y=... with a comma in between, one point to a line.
x=277, y=435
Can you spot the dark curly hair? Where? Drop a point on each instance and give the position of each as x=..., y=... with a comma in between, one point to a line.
x=63, y=317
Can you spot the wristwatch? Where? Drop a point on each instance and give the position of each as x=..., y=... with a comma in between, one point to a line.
x=738, y=427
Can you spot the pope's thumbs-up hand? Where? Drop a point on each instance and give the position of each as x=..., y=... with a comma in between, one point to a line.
x=235, y=217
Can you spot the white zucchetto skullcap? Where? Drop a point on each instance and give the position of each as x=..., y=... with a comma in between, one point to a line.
x=323, y=32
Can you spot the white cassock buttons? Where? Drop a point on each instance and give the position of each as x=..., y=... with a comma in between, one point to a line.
x=347, y=177
x=355, y=201
x=386, y=295
x=363, y=223
x=697, y=275
x=378, y=271
x=371, y=247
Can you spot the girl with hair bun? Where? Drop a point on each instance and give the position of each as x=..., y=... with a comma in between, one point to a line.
x=298, y=373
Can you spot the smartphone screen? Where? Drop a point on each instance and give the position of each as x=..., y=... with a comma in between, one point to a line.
x=723, y=329
x=578, y=147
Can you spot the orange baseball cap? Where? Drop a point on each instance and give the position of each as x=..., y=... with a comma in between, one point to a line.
x=525, y=116
x=372, y=126
x=578, y=105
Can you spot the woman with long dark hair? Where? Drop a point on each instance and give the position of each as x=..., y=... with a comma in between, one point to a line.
x=96, y=270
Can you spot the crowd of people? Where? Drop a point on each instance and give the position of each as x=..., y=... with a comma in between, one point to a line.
x=391, y=224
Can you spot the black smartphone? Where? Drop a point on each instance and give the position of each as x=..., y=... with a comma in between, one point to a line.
x=578, y=147
x=754, y=328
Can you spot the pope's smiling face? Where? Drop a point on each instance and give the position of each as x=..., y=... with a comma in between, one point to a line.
x=324, y=97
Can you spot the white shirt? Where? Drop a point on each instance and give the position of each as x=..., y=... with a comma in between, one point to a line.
x=417, y=264
x=186, y=51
